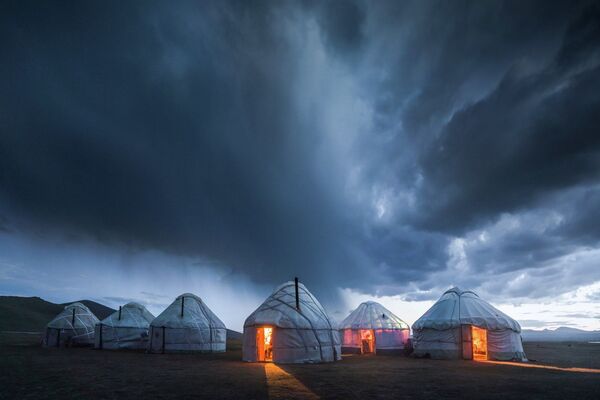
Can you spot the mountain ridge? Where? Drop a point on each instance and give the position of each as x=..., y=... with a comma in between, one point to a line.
x=560, y=334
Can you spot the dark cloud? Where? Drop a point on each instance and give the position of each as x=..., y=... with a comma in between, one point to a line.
x=535, y=133
x=350, y=143
x=342, y=23
x=171, y=128
x=440, y=56
x=581, y=211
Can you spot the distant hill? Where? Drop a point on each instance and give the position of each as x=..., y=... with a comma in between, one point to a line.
x=26, y=314
x=31, y=314
x=562, y=334
x=100, y=310
x=233, y=335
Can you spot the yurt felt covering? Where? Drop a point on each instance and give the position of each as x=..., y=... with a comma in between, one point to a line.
x=441, y=330
x=300, y=335
x=126, y=328
x=390, y=332
x=73, y=326
x=187, y=325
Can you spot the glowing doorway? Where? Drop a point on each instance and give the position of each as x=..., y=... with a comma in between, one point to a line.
x=367, y=341
x=479, y=343
x=264, y=344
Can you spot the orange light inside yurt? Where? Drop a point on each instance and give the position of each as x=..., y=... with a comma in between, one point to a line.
x=367, y=341
x=264, y=344
x=479, y=343
x=268, y=345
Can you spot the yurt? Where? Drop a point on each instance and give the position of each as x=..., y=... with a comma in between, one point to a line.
x=291, y=326
x=187, y=325
x=126, y=328
x=463, y=317
x=372, y=328
x=74, y=326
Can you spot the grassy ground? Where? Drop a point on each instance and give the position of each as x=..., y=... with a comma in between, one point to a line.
x=29, y=371
x=565, y=354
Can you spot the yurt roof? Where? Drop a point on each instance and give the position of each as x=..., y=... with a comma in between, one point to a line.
x=65, y=318
x=463, y=307
x=372, y=315
x=279, y=310
x=133, y=315
x=196, y=314
x=77, y=305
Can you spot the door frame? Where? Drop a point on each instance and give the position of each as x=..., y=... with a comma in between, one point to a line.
x=260, y=343
x=372, y=346
x=485, y=332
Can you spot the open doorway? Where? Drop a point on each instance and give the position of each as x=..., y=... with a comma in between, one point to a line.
x=264, y=344
x=367, y=341
x=479, y=343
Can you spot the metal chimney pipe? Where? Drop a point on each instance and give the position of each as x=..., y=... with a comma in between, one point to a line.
x=297, y=297
x=119, y=313
x=182, y=301
x=73, y=319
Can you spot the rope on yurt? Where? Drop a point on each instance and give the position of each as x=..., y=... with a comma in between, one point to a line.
x=305, y=317
x=278, y=300
x=324, y=315
x=203, y=311
x=311, y=326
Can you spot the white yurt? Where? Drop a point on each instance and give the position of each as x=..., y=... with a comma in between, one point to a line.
x=372, y=328
x=74, y=326
x=187, y=325
x=126, y=328
x=485, y=332
x=291, y=326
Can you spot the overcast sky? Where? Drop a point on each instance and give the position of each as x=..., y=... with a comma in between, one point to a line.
x=383, y=150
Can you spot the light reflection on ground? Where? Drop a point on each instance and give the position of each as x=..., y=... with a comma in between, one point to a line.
x=550, y=367
x=282, y=385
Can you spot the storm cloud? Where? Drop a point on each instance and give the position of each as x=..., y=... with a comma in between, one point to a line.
x=385, y=147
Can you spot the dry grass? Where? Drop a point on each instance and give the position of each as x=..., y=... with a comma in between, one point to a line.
x=29, y=371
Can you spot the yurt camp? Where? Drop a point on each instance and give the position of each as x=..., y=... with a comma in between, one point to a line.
x=291, y=326
x=372, y=328
x=126, y=328
x=74, y=326
x=187, y=325
x=462, y=317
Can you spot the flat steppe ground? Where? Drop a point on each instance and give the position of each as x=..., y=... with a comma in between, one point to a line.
x=28, y=371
